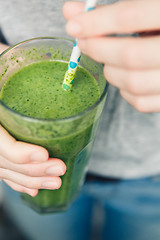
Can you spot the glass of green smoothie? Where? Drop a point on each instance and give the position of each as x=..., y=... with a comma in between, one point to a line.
x=34, y=108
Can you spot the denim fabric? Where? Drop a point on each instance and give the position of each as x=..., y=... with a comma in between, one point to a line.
x=123, y=210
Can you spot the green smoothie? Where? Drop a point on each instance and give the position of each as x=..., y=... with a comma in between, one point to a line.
x=36, y=91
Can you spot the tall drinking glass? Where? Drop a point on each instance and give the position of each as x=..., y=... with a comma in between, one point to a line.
x=69, y=139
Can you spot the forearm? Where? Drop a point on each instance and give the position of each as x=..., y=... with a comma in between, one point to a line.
x=3, y=47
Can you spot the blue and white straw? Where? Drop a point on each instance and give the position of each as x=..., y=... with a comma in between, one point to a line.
x=76, y=54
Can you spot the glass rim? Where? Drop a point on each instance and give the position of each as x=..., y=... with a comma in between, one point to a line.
x=76, y=116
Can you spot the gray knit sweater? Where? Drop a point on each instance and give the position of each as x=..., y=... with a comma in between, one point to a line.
x=128, y=142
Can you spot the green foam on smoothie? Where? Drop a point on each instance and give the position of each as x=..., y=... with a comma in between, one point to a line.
x=36, y=91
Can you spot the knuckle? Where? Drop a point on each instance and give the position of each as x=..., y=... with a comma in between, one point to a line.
x=29, y=182
x=130, y=55
x=132, y=83
x=89, y=49
x=133, y=54
x=93, y=49
x=30, y=171
x=126, y=16
x=90, y=27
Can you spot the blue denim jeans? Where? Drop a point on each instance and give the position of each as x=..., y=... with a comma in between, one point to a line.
x=122, y=210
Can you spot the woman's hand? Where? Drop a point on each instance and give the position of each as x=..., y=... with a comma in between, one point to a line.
x=132, y=64
x=26, y=167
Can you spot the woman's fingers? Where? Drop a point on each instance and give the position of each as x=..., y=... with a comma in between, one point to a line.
x=135, y=82
x=22, y=189
x=47, y=182
x=25, y=168
x=122, y=17
x=72, y=9
x=143, y=104
x=20, y=152
x=52, y=167
x=131, y=53
x=131, y=64
x=139, y=88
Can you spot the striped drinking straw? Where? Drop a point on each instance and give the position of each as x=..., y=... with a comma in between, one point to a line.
x=76, y=55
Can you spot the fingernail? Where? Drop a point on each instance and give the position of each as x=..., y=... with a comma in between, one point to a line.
x=82, y=44
x=50, y=185
x=34, y=193
x=38, y=157
x=55, y=171
x=31, y=194
x=73, y=28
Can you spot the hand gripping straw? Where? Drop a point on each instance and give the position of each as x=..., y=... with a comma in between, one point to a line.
x=76, y=55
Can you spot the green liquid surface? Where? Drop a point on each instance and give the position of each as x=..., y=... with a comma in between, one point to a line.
x=36, y=91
